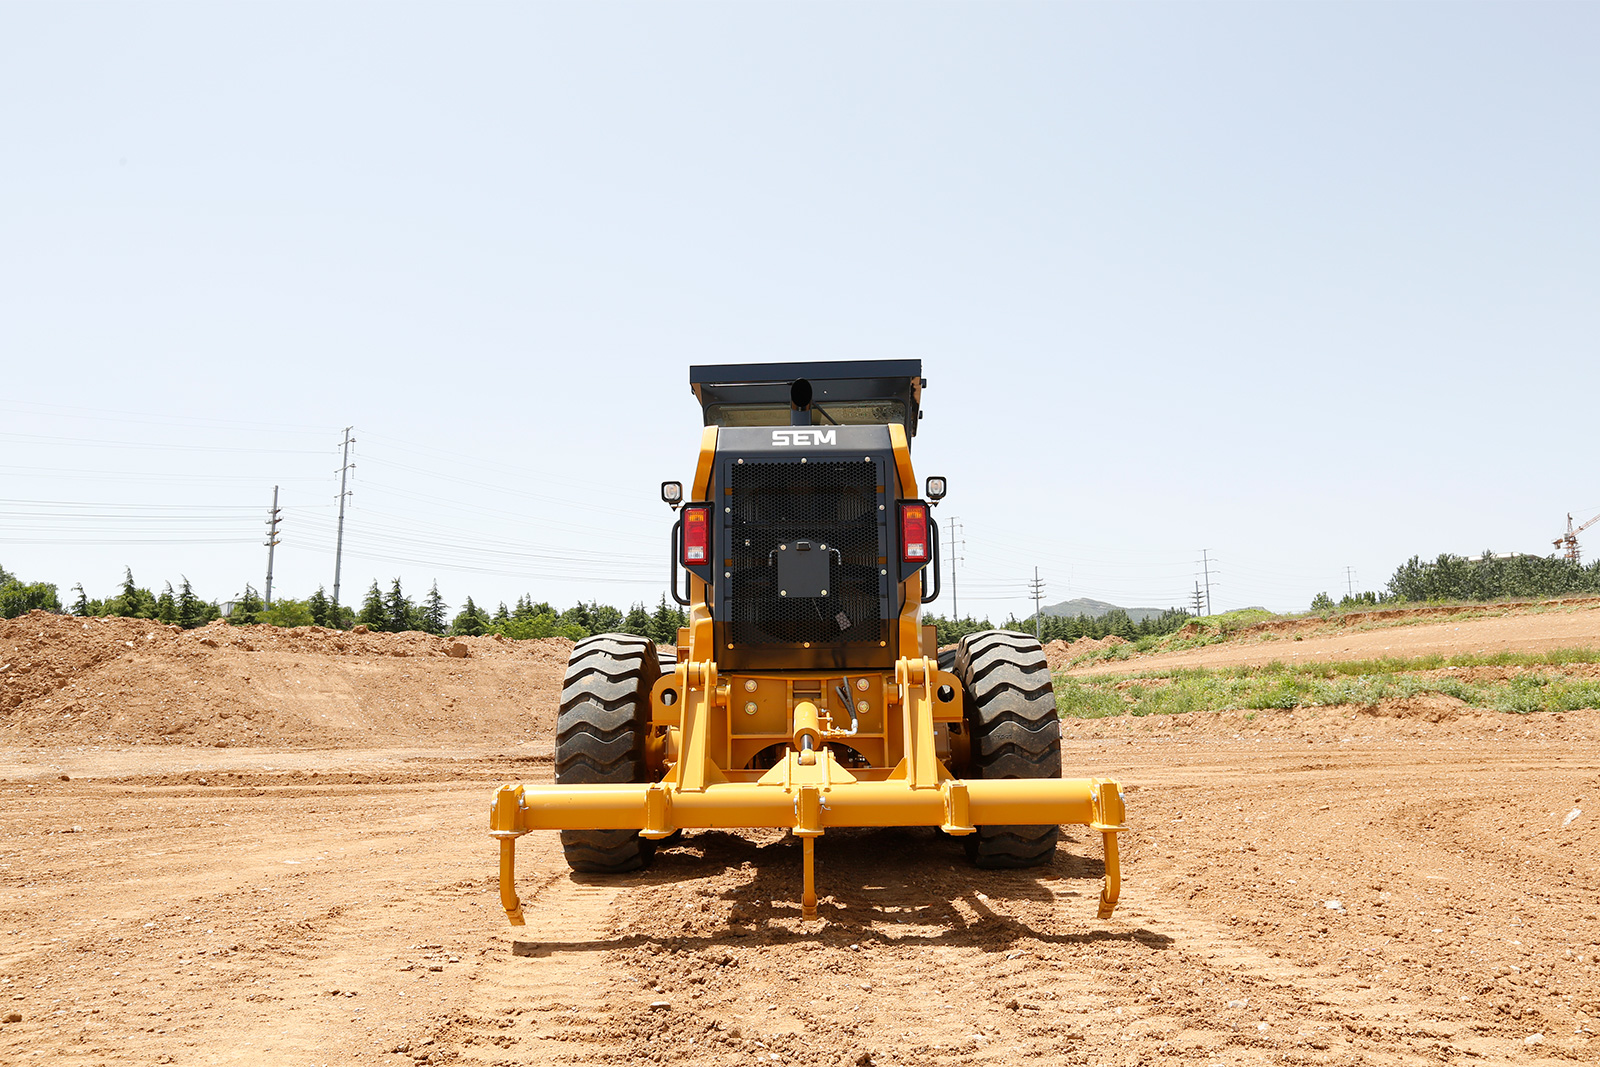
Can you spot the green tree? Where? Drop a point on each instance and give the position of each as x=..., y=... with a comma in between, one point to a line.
x=502, y=616
x=372, y=614
x=531, y=627
x=577, y=617
x=248, y=608
x=192, y=611
x=81, y=605
x=949, y=631
x=287, y=613
x=432, y=616
x=167, y=606
x=472, y=622
x=637, y=622
x=132, y=602
x=603, y=618
x=400, y=614
x=665, y=621
x=321, y=608
x=18, y=597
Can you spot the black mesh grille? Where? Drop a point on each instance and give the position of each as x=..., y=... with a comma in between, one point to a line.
x=827, y=503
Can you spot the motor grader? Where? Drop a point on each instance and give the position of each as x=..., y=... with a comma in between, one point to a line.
x=805, y=693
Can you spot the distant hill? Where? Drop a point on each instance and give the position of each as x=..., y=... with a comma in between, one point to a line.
x=1096, y=608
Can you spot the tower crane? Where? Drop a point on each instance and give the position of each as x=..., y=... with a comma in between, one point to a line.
x=1569, y=540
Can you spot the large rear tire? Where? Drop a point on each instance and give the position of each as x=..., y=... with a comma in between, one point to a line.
x=1011, y=716
x=600, y=740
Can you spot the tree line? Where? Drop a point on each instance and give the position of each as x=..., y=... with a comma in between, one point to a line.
x=392, y=610
x=1486, y=577
x=1064, y=627
x=1448, y=578
x=1492, y=578
x=388, y=611
x=18, y=597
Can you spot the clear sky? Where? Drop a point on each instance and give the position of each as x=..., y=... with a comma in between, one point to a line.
x=1310, y=286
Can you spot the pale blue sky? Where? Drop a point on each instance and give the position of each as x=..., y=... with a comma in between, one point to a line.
x=1308, y=285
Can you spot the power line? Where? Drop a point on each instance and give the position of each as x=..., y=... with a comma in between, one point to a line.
x=92, y=442
x=63, y=411
x=105, y=474
x=140, y=506
x=127, y=541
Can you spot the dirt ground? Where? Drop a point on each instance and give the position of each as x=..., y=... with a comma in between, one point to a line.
x=271, y=849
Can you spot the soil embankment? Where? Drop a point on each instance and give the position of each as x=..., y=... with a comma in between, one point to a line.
x=1373, y=635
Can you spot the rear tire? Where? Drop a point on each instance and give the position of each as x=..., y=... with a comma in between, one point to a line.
x=600, y=735
x=1011, y=716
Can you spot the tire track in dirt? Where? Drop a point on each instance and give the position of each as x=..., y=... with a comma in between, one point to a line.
x=1312, y=1015
x=543, y=992
x=1240, y=995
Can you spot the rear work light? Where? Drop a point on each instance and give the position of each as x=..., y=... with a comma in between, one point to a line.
x=914, y=533
x=696, y=535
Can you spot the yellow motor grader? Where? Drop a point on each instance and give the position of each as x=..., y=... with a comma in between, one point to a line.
x=805, y=693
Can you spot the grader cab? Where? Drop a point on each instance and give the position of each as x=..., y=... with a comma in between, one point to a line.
x=805, y=693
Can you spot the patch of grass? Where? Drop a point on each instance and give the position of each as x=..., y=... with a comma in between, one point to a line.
x=1538, y=692
x=1389, y=665
x=1281, y=687
x=1230, y=621
x=1111, y=653
x=1079, y=701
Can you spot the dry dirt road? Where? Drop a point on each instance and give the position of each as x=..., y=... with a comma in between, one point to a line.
x=1351, y=889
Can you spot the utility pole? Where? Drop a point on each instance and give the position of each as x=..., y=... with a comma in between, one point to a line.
x=1205, y=563
x=272, y=540
x=955, y=555
x=338, y=549
x=1350, y=582
x=1036, y=590
x=1198, y=597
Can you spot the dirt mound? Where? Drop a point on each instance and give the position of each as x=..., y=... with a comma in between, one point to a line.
x=1398, y=634
x=1059, y=653
x=67, y=680
x=1430, y=707
x=1362, y=619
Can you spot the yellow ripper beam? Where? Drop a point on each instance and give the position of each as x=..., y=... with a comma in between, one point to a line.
x=808, y=798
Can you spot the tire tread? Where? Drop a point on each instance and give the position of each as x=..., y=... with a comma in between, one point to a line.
x=600, y=734
x=1011, y=714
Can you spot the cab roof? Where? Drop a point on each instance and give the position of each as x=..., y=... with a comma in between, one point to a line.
x=752, y=388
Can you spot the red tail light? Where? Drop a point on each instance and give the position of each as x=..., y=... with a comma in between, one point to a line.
x=696, y=536
x=914, y=533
